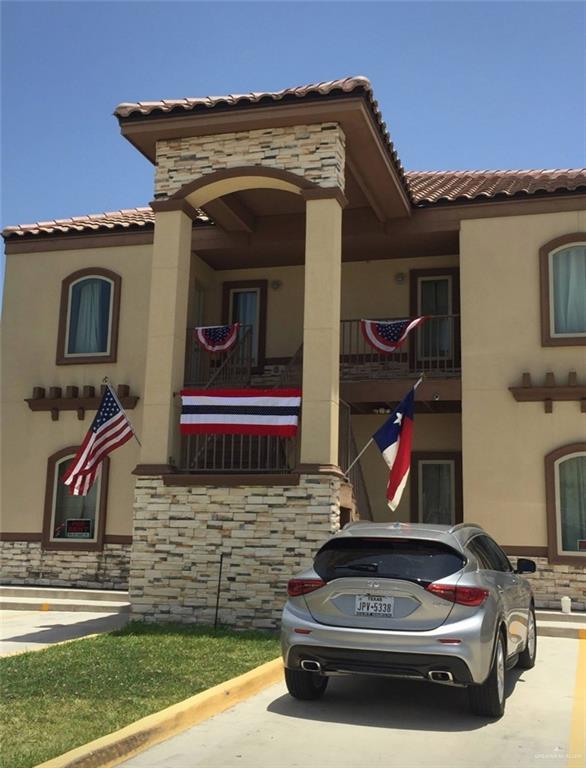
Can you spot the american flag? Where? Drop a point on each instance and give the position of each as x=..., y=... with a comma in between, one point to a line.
x=217, y=338
x=388, y=335
x=109, y=430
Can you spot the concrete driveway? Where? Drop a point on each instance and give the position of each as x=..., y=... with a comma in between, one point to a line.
x=33, y=630
x=366, y=722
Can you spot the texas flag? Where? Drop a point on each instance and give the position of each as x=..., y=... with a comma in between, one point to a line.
x=394, y=441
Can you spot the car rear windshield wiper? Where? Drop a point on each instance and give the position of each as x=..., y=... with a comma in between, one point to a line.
x=370, y=567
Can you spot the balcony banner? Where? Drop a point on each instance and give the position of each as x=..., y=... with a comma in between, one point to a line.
x=240, y=411
x=217, y=338
x=388, y=335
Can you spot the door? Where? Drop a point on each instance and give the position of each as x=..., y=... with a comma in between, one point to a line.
x=436, y=488
x=245, y=302
x=436, y=294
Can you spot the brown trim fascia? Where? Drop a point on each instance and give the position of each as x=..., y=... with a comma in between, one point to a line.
x=153, y=470
x=42, y=243
x=326, y=193
x=75, y=403
x=230, y=481
x=162, y=206
x=115, y=538
x=524, y=551
x=547, y=340
x=68, y=544
x=33, y=537
x=61, y=358
x=526, y=203
x=553, y=544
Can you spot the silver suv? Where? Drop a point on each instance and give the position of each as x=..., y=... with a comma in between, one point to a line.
x=427, y=602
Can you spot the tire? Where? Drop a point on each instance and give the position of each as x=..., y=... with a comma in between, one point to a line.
x=306, y=686
x=527, y=657
x=488, y=699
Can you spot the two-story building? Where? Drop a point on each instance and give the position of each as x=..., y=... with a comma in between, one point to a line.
x=291, y=213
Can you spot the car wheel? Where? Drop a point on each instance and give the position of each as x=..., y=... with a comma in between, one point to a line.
x=488, y=699
x=527, y=657
x=305, y=685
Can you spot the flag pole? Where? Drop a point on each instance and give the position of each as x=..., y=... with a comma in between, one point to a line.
x=417, y=383
x=106, y=381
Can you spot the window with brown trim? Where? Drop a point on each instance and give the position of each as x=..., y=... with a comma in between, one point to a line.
x=88, y=317
x=73, y=522
x=563, y=287
x=436, y=487
x=565, y=496
x=245, y=302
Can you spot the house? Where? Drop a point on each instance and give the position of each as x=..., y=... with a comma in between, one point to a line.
x=291, y=213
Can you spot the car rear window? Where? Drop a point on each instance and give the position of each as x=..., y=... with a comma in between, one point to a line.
x=409, y=559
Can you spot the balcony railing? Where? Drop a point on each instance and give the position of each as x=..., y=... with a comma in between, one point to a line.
x=219, y=369
x=432, y=348
x=238, y=454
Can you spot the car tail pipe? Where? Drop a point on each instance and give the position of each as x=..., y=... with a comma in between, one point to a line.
x=309, y=665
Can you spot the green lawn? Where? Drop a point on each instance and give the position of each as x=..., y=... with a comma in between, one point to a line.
x=59, y=698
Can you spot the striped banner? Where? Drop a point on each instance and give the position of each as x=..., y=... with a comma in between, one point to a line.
x=240, y=411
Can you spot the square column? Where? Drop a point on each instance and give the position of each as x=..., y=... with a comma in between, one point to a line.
x=321, y=331
x=165, y=356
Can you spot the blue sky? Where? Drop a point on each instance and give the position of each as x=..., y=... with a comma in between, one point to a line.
x=461, y=84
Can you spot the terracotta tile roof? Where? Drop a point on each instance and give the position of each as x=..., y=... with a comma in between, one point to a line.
x=427, y=187
x=128, y=218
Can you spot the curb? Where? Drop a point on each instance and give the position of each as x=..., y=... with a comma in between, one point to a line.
x=110, y=750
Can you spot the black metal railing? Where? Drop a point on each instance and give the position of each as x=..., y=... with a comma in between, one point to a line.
x=432, y=348
x=219, y=369
x=347, y=453
x=238, y=454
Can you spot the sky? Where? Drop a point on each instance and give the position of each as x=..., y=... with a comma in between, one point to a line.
x=462, y=85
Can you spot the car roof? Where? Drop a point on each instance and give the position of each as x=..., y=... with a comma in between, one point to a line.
x=447, y=534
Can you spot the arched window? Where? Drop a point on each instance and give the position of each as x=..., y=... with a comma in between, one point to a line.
x=88, y=319
x=563, y=291
x=73, y=522
x=565, y=474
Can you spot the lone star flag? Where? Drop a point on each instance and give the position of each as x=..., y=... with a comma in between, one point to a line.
x=240, y=411
x=388, y=335
x=109, y=430
x=394, y=442
x=217, y=338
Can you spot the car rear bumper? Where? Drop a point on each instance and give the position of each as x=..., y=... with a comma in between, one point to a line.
x=417, y=666
x=410, y=654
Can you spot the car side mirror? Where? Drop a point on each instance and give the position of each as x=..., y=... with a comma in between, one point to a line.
x=525, y=566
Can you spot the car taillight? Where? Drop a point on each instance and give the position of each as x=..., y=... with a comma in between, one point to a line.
x=462, y=595
x=297, y=587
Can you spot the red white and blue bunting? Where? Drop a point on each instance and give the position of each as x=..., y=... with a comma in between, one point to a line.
x=388, y=335
x=217, y=338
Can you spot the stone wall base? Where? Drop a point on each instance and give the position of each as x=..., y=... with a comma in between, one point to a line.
x=265, y=534
x=26, y=563
x=552, y=582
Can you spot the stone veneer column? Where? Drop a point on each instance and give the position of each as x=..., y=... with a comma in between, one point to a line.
x=321, y=332
x=165, y=357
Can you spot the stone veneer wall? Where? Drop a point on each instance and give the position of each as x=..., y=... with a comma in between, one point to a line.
x=26, y=563
x=552, y=582
x=267, y=535
x=313, y=151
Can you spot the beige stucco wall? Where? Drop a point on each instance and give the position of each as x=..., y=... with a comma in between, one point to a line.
x=432, y=432
x=504, y=442
x=29, y=339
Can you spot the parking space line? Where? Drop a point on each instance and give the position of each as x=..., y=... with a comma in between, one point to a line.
x=577, y=750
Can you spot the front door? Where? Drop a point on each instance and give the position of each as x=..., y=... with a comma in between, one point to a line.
x=245, y=303
x=436, y=488
x=436, y=294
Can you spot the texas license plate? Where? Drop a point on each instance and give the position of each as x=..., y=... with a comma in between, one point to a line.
x=374, y=605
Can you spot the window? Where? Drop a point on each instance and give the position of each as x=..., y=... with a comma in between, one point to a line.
x=245, y=302
x=563, y=291
x=565, y=477
x=489, y=555
x=436, y=488
x=73, y=522
x=88, y=319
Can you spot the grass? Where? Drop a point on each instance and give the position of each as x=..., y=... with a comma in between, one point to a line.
x=59, y=698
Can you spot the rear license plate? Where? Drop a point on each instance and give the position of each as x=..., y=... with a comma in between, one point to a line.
x=374, y=605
